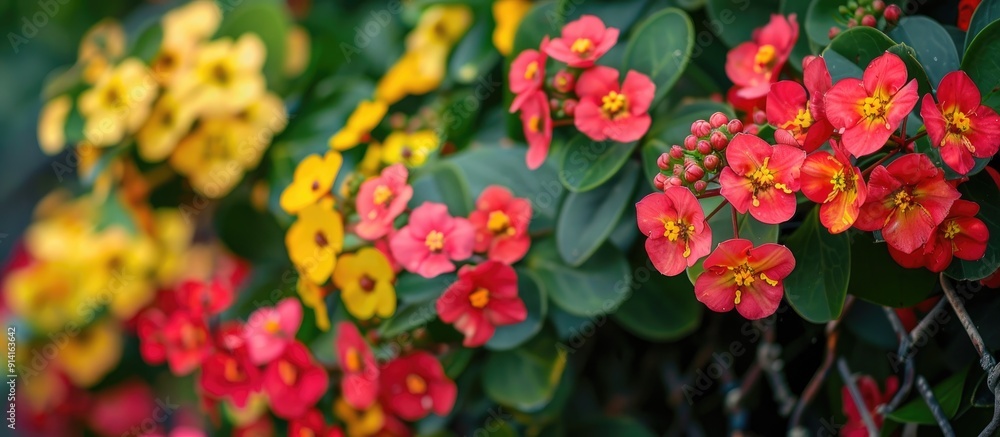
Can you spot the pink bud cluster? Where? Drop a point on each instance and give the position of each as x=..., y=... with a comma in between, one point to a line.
x=701, y=156
x=867, y=13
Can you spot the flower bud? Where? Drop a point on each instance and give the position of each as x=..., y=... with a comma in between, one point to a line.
x=711, y=162
x=719, y=141
x=564, y=82
x=843, y=10
x=555, y=104
x=694, y=173
x=868, y=21
x=663, y=162
x=878, y=5
x=760, y=117
x=852, y=4
x=892, y=14
x=860, y=12
x=700, y=186
x=718, y=119
x=851, y=23
x=700, y=128
x=834, y=31
x=753, y=129
x=690, y=142
x=678, y=169
x=676, y=152
x=735, y=126
x=569, y=107
x=675, y=181
x=660, y=181
x=704, y=147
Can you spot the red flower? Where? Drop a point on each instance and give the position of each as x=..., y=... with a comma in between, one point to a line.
x=754, y=65
x=204, y=298
x=360, y=381
x=501, y=221
x=114, y=411
x=868, y=110
x=186, y=342
x=294, y=382
x=831, y=180
x=536, y=121
x=527, y=74
x=432, y=240
x=873, y=397
x=582, y=42
x=745, y=277
x=816, y=78
x=804, y=119
x=959, y=124
x=312, y=424
x=381, y=200
x=414, y=385
x=906, y=200
x=230, y=374
x=606, y=110
x=960, y=235
x=482, y=298
x=677, y=234
x=149, y=329
x=761, y=179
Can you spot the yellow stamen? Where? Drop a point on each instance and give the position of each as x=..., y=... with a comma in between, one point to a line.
x=614, y=104
x=353, y=360
x=770, y=281
x=531, y=70
x=499, y=223
x=581, y=46
x=272, y=326
x=434, y=241
x=480, y=298
x=903, y=201
x=952, y=230
x=381, y=195
x=737, y=300
x=287, y=372
x=765, y=56
x=535, y=124
x=960, y=122
x=232, y=371
x=415, y=384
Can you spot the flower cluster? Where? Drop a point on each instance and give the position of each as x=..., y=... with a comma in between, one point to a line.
x=599, y=104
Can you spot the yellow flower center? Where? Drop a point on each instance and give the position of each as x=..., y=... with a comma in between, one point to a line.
x=415, y=384
x=674, y=230
x=434, y=241
x=764, y=57
x=272, y=326
x=960, y=122
x=874, y=108
x=535, y=124
x=220, y=74
x=499, y=223
x=614, y=104
x=479, y=298
x=232, y=371
x=803, y=119
x=287, y=372
x=838, y=181
x=952, y=230
x=581, y=46
x=382, y=195
x=903, y=201
x=353, y=360
x=763, y=179
x=531, y=70
x=190, y=336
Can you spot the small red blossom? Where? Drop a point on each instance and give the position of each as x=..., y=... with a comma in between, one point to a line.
x=360, y=380
x=677, y=234
x=152, y=342
x=527, y=74
x=483, y=297
x=873, y=398
x=583, y=42
x=312, y=424
x=380, y=200
x=294, y=382
x=536, y=120
x=868, y=110
x=831, y=181
x=761, y=178
x=754, y=65
x=959, y=124
x=738, y=275
x=501, y=221
x=230, y=374
x=606, y=110
x=907, y=200
x=206, y=298
x=789, y=109
x=187, y=342
x=432, y=240
x=961, y=235
x=412, y=386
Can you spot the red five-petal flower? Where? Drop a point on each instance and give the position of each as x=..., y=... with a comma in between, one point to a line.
x=606, y=110
x=745, y=277
x=761, y=178
x=754, y=65
x=959, y=124
x=414, y=385
x=294, y=382
x=501, y=221
x=960, y=235
x=360, y=381
x=831, y=180
x=677, y=235
x=482, y=298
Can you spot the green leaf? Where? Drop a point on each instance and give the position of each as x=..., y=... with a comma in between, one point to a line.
x=661, y=309
x=474, y=55
x=817, y=287
x=820, y=17
x=735, y=20
x=249, y=233
x=948, y=394
x=269, y=20
x=537, y=303
x=415, y=288
x=932, y=43
x=801, y=10
x=877, y=278
x=722, y=230
x=596, y=287
x=620, y=14
x=860, y=45
x=988, y=12
x=587, y=219
x=982, y=190
x=914, y=68
x=587, y=163
x=525, y=378
x=660, y=47
x=442, y=182
x=980, y=63
x=409, y=316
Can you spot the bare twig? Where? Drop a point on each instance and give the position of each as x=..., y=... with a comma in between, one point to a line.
x=817, y=380
x=934, y=406
x=928, y=320
x=859, y=402
x=904, y=353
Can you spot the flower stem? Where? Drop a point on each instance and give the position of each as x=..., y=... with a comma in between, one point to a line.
x=717, y=209
x=868, y=170
x=736, y=224
x=708, y=193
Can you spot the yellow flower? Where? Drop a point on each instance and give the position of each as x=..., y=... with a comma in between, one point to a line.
x=215, y=156
x=410, y=149
x=508, y=15
x=359, y=423
x=440, y=25
x=118, y=103
x=312, y=296
x=173, y=238
x=99, y=46
x=297, y=51
x=266, y=117
x=170, y=120
x=226, y=76
x=371, y=163
x=365, y=117
x=312, y=180
x=365, y=280
x=122, y=271
x=417, y=72
x=52, y=124
x=49, y=295
x=314, y=241
x=184, y=29
x=91, y=353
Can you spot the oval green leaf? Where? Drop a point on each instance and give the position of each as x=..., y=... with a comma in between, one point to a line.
x=661, y=309
x=587, y=219
x=596, y=287
x=660, y=47
x=587, y=164
x=932, y=44
x=735, y=20
x=877, y=278
x=817, y=287
x=525, y=378
x=980, y=63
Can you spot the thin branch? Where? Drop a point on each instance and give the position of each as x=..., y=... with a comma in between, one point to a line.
x=859, y=402
x=736, y=224
x=817, y=380
x=717, y=209
x=769, y=357
x=903, y=352
x=927, y=321
x=987, y=361
x=934, y=406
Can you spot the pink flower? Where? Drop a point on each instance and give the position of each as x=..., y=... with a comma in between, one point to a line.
x=677, y=234
x=583, y=42
x=754, y=65
x=958, y=124
x=761, y=178
x=527, y=74
x=270, y=329
x=432, y=239
x=501, y=222
x=606, y=110
x=381, y=200
x=482, y=298
x=360, y=381
x=536, y=120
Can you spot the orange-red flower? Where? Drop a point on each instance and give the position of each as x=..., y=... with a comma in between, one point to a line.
x=831, y=180
x=414, y=385
x=873, y=397
x=483, y=297
x=958, y=124
x=790, y=110
x=738, y=275
x=677, y=234
x=906, y=200
x=754, y=65
x=961, y=235
x=868, y=110
x=761, y=179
